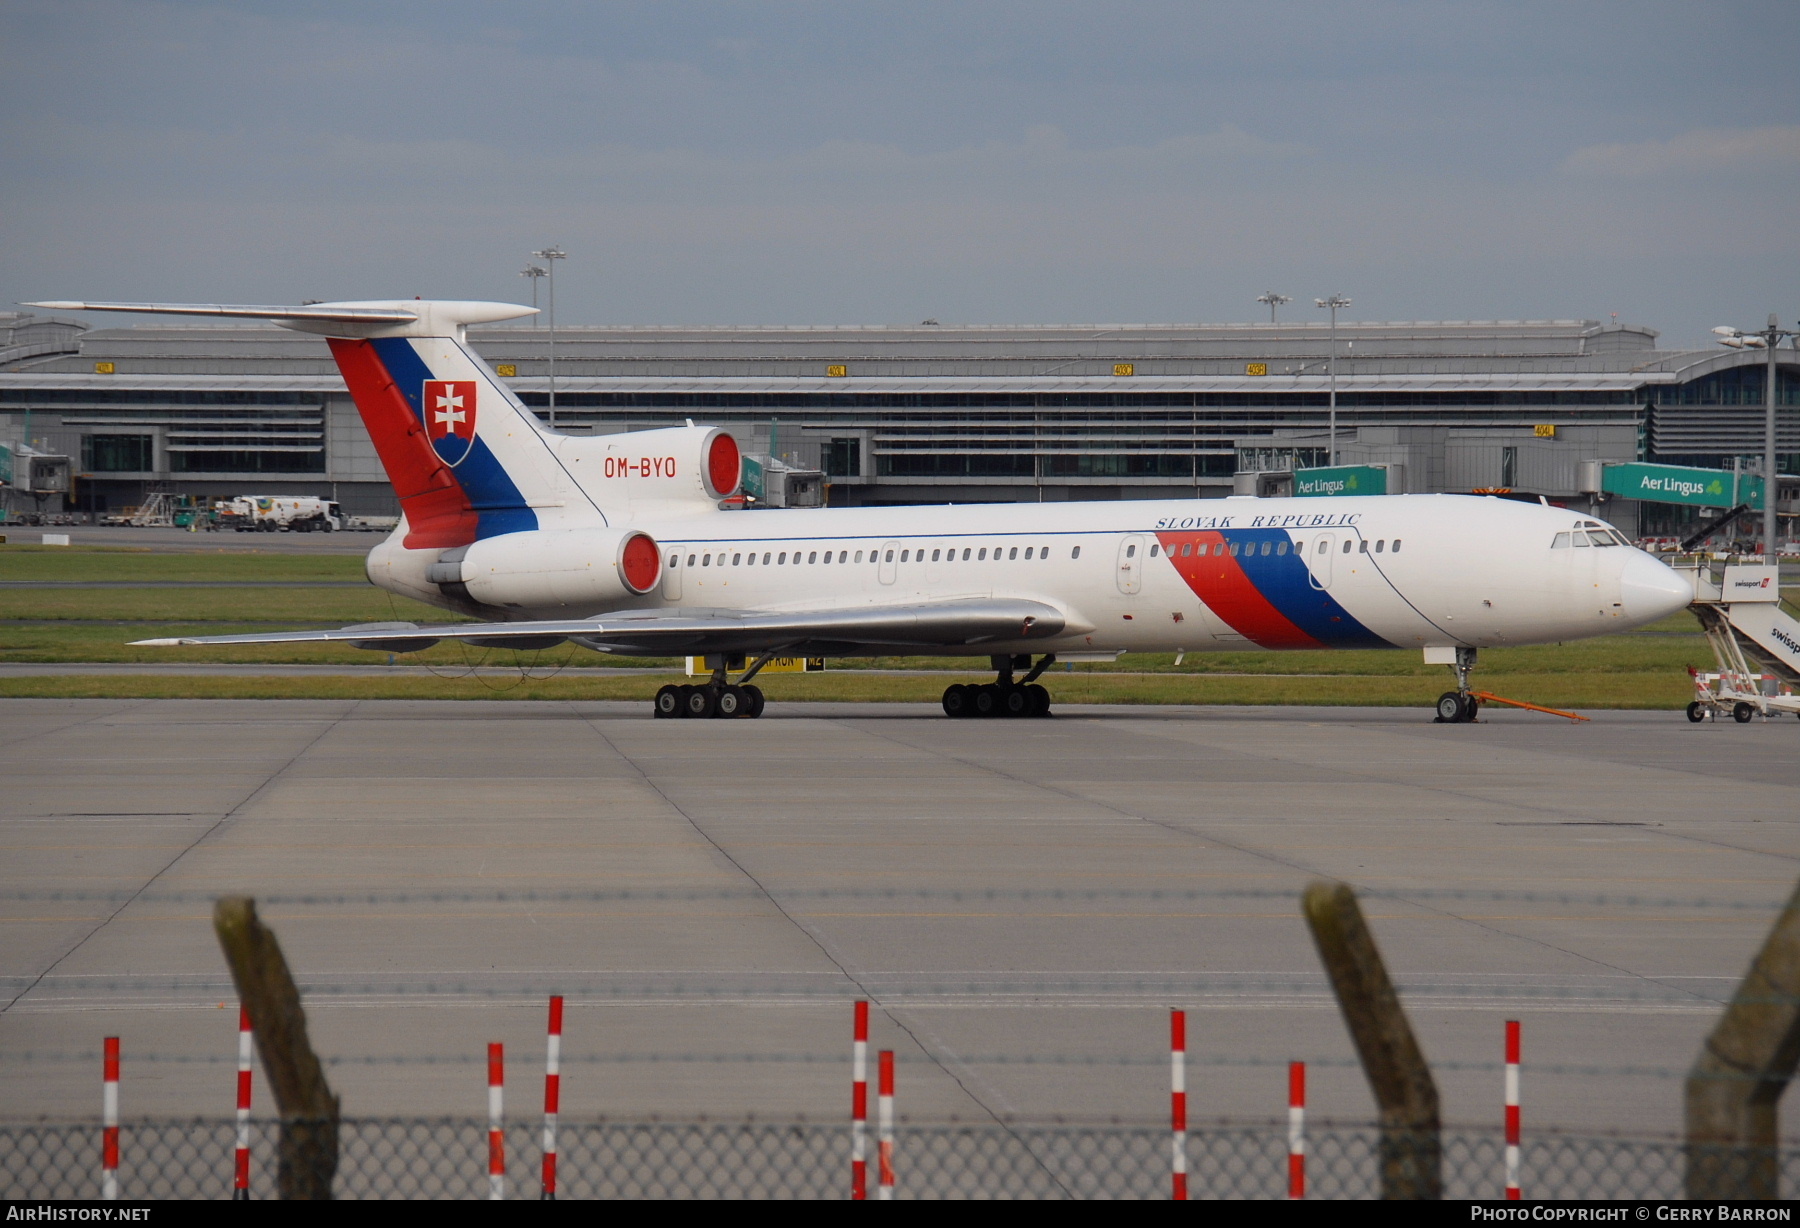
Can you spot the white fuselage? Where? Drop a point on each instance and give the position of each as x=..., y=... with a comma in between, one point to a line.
x=1158, y=575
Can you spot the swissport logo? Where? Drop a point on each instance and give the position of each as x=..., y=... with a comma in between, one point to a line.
x=450, y=418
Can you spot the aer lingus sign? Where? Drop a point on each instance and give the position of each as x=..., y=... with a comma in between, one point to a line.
x=1342, y=480
x=1677, y=484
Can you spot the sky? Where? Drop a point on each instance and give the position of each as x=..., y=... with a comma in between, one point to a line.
x=854, y=163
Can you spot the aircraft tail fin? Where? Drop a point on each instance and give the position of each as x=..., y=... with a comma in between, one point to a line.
x=467, y=459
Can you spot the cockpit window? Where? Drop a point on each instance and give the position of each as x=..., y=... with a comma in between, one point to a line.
x=1601, y=538
x=1560, y=542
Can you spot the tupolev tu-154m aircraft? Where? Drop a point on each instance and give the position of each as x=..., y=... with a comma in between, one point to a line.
x=619, y=543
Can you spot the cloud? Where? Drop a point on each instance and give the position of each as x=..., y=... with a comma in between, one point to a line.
x=710, y=161
x=1693, y=153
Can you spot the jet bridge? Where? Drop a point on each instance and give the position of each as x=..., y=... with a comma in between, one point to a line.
x=1755, y=641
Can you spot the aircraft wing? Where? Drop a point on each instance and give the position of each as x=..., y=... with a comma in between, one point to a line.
x=925, y=626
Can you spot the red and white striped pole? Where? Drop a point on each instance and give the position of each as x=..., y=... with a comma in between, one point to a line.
x=240, y=1180
x=1296, y=1130
x=886, y=1142
x=552, y=1095
x=1178, y=1103
x=109, y=1120
x=859, y=1106
x=496, y=1112
x=1512, y=1108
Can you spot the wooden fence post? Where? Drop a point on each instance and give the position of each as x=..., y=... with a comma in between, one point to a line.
x=309, y=1112
x=1735, y=1085
x=1411, y=1154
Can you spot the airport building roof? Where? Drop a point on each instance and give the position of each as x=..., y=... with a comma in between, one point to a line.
x=914, y=412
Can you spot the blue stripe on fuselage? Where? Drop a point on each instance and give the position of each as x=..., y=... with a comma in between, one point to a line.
x=1286, y=581
x=499, y=504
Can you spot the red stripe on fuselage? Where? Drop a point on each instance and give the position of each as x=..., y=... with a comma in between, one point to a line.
x=438, y=513
x=1220, y=582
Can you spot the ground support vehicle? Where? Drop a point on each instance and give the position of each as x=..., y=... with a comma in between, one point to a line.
x=1739, y=605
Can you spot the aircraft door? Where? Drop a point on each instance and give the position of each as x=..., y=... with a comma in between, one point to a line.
x=1131, y=564
x=885, y=570
x=1318, y=563
x=672, y=570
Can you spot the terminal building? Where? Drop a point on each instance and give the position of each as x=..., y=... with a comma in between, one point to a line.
x=940, y=413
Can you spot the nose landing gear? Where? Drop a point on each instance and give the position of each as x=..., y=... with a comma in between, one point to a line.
x=1459, y=706
x=1455, y=709
x=718, y=697
x=1003, y=696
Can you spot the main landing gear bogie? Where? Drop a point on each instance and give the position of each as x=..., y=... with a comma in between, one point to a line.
x=961, y=699
x=710, y=700
x=1003, y=697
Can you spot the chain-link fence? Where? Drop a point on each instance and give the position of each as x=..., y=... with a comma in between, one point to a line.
x=444, y=1158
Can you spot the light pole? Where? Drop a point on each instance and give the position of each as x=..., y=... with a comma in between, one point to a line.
x=1272, y=300
x=1768, y=337
x=550, y=255
x=533, y=271
x=1334, y=302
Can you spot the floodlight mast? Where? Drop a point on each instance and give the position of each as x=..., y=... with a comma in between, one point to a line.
x=533, y=271
x=1272, y=300
x=550, y=255
x=1770, y=336
x=1333, y=303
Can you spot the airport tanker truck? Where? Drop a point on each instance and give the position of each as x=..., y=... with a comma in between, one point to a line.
x=280, y=514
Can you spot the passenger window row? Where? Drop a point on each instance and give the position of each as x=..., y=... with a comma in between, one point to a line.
x=979, y=554
x=1264, y=549
x=780, y=558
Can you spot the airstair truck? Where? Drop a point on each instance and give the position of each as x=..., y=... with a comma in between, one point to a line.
x=1754, y=640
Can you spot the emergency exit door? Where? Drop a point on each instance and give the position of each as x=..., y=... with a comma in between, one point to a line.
x=1131, y=564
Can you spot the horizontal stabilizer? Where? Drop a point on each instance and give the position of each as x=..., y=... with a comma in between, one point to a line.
x=312, y=311
x=933, y=625
x=376, y=318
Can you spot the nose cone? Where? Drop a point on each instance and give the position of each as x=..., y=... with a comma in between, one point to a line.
x=1650, y=589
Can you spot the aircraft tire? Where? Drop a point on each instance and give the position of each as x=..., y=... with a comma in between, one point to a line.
x=1040, y=699
x=667, y=704
x=1743, y=712
x=729, y=703
x=1016, y=701
x=1450, y=708
x=1696, y=712
x=958, y=703
x=753, y=700
x=699, y=703
x=987, y=700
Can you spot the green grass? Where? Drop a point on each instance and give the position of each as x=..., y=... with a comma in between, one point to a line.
x=1579, y=691
x=1628, y=653
x=238, y=562
x=110, y=642
x=1637, y=669
x=330, y=607
x=52, y=644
